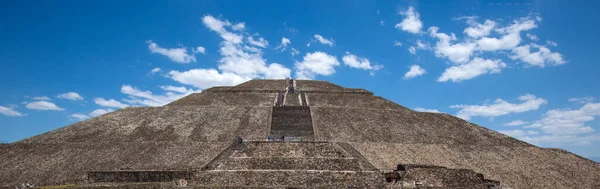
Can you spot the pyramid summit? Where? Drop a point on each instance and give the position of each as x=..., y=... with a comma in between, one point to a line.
x=286, y=134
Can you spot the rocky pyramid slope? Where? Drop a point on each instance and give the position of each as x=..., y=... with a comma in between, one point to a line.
x=362, y=136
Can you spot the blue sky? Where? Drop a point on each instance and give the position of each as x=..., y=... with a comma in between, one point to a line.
x=524, y=68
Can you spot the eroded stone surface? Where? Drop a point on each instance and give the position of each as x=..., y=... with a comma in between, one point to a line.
x=357, y=137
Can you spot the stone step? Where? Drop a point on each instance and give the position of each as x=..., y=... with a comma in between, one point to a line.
x=288, y=179
x=291, y=133
x=292, y=99
x=291, y=150
x=276, y=163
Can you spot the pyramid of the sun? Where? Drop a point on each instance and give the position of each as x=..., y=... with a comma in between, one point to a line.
x=332, y=137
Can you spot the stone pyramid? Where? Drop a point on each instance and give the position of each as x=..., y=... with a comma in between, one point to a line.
x=286, y=134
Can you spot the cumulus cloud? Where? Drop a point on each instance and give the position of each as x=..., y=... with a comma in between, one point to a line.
x=154, y=70
x=218, y=26
x=206, y=78
x=70, y=96
x=566, y=122
x=239, y=26
x=397, y=43
x=518, y=133
x=561, y=140
x=551, y=43
x=500, y=107
x=79, y=116
x=474, y=68
x=477, y=30
x=411, y=22
x=241, y=60
x=295, y=52
x=360, y=63
x=415, y=70
x=457, y=52
x=323, y=40
x=316, y=63
x=284, y=43
x=582, y=100
x=109, y=103
x=260, y=42
x=476, y=53
x=412, y=50
x=96, y=112
x=43, y=105
x=533, y=37
x=99, y=112
x=40, y=98
x=200, y=49
x=8, y=111
x=541, y=58
x=511, y=37
x=419, y=109
x=179, y=55
x=146, y=98
x=516, y=123
x=561, y=127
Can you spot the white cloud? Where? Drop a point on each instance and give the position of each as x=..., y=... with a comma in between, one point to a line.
x=70, y=96
x=477, y=30
x=316, y=63
x=411, y=22
x=551, y=43
x=472, y=69
x=541, y=58
x=96, y=112
x=249, y=64
x=419, y=109
x=176, y=89
x=500, y=107
x=146, y=98
x=109, y=103
x=359, y=63
x=412, y=50
x=154, y=70
x=294, y=52
x=518, y=133
x=240, y=61
x=219, y=26
x=561, y=140
x=458, y=52
x=284, y=43
x=516, y=123
x=8, y=111
x=239, y=26
x=200, y=49
x=179, y=55
x=79, y=116
x=99, y=112
x=512, y=36
x=533, y=37
x=40, y=98
x=43, y=105
x=566, y=122
x=582, y=100
x=323, y=40
x=397, y=43
x=261, y=42
x=415, y=70
x=421, y=45
x=206, y=78
x=381, y=23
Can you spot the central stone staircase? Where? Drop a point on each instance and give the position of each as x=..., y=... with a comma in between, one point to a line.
x=262, y=164
x=291, y=121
